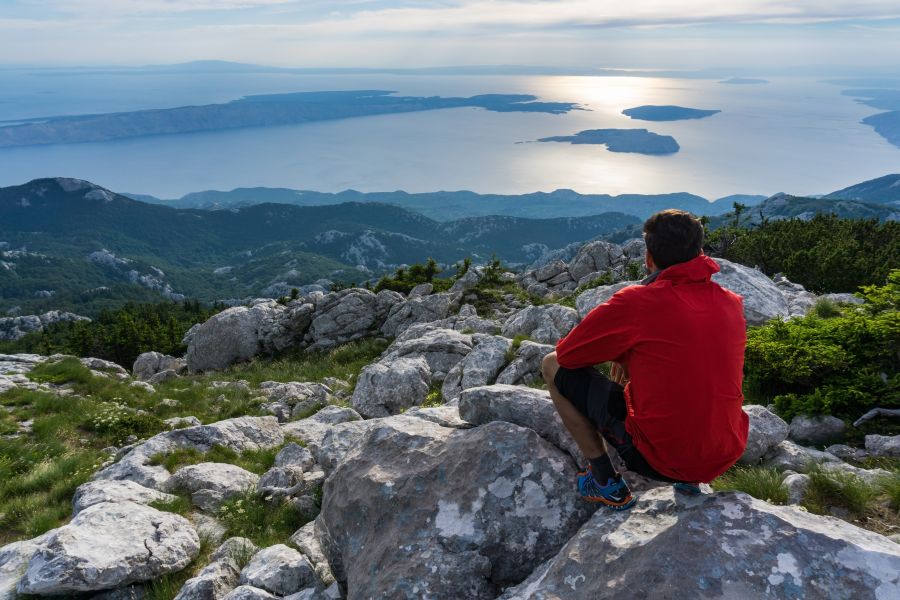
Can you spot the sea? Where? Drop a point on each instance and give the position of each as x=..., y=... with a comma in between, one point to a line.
x=796, y=135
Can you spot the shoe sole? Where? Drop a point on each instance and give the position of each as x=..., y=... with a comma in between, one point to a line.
x=687, y=488
x=624, y=505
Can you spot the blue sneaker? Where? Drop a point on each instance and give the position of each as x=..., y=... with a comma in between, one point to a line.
x=690, y=489
x=614, y=495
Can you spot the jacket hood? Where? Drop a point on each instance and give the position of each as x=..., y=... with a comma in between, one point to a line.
x=695, y=270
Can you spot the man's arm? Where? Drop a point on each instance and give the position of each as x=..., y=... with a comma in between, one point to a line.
x=605, y=334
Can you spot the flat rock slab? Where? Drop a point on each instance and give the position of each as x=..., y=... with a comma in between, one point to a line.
x=726, y=545
x=110, y=545
x=96, y=492
x=416, y=510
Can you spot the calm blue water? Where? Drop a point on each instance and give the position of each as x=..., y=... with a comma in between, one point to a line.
x=791, y=135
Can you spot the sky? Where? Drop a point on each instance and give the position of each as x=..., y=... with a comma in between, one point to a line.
x=670, y=34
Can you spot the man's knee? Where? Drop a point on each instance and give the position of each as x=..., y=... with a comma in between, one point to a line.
x=549, y=367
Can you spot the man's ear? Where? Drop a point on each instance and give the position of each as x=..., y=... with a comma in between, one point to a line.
x=648, y=260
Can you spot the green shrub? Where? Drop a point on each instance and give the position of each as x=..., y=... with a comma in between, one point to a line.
x=405, y=279
x=759, y=482
x=842, y=365
x=824, y=254
x=116, y=422
x=265, y=523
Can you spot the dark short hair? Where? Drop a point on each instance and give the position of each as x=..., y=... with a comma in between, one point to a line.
x=673, y=236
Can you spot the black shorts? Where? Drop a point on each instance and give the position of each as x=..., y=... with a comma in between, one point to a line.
x=603, y=402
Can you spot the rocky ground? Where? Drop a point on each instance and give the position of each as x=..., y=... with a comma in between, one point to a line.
x=406, y=450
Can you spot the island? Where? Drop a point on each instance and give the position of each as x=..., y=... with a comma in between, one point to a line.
x=254, y=111
x=743, y=81
x=638, y=141
x=885, y=124
x=667, y=113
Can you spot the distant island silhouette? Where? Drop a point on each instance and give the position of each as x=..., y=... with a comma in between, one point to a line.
x=254, y=111
x=744, y=81
x=639, y=141
x=667, y=113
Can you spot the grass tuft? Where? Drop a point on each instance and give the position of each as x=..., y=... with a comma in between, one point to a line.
x=265, y=523
x=759, y=482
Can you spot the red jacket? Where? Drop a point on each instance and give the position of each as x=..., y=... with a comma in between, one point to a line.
x=681, y=339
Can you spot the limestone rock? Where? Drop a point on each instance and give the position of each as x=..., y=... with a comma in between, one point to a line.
x=546, y=324
x=110, y=545
x=595, y=256
x=234, y=335
x=213, y=582
x=248, y=592
x=96, y=492
x=278, y=569
x=347, y=315
x=441, y=348
x=416, y=310
x=13, y=562
x=388, y=387
x=480, y=367
x=763, y=300
x=294, y=455
x=526, y=366
x=796, y=484
x=294, y=397
x=788, y=455
x=883, y=445
x=239, y=434
x=445, y=416
x=337, y=441
x=149, y=364
x=445, y=513
x=423, y=289
x=210, y=484
x=305, y=540
x=729, y=546
x=816, y=430
x=588, y=300
x=312, y=429
x=767, y=430
x=550, y=270
x=522, y=406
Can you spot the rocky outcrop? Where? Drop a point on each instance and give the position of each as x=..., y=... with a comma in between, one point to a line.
x=349, y=314
x=883, y=445
x=445, y=513
x=96, y=492
x=211, y=484
x=148, y=364
x=763, y=300
x=419, y=309
x=442, y=349
x=107, y=546
x=233, y=335
x=728, y=545
x=594, y=297
x=239, y=434
x=545, y=324
x=221, y=575
x=392, y=385
x=766, y=431
x=480, y=367
x=15, y=328
x=522, y=406
x=279, y=570
x=294, y=398
x=818, y=430
x=789, y=456
x=525, y=367
x=558, y=278
x=312, y=430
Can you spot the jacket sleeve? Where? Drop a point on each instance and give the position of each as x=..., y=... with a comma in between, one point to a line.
x=605, y=334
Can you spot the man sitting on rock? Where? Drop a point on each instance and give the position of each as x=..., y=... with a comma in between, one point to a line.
x=680, y=339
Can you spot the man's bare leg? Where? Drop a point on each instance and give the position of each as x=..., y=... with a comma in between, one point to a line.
x=583, y=431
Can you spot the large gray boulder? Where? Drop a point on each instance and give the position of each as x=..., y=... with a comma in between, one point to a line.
x=817, y=430
x=312, y=429
x=110, y=545
x=766, y=431
x=480, y=367
x=442, y=349
x=211, y=484
x=545, y=324
x=278, y=569
x=239, y=434
x=96, y=492
x=13, y=562
x=594, y=257
x=388, y=387
x=422, y=309
x=305, y=540
x=726, y=545
x=588, y=300
x=148, y=364
x=525, y=368
x=349, y=314
x=789, y=456
x=446, y=513
x=522, y=406
x=883, y=445
x=763, y=300
x=234, y=335
x=339, y=439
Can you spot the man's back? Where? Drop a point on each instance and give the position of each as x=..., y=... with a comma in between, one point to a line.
x=681, y=338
